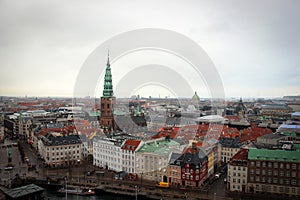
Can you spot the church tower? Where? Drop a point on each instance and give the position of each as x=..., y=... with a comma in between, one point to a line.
x=107, y=121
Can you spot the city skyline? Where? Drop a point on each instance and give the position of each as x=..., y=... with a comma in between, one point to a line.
x=254, y=46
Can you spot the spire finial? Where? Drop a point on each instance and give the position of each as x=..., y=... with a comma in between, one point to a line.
x=108, y=64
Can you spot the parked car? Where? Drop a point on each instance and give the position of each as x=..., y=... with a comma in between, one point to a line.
x=217, y=175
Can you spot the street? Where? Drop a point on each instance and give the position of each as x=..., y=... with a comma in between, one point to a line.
x=217, y=188
x=8, y=170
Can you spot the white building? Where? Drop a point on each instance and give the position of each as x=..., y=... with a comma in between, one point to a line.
x=107, y=153
x=129, y=148
x=237, y=172
x=60, y=150
x=229, y=148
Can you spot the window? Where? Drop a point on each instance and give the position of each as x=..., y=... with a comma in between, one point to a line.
x=281, y=181
x=251, y=178
x=287, y=166
x=293, y=182
x=269, y=172
x=269, y=180
x=281, y=166
x=257, y=179
x=275, y=165
x=257, y=164
x=269, y=164
x=281, y=173
x=275, y=180
x=280, y=189
x=251, y=171
x=252, y=163
x=263, y=172
x=287, y=174
x=257, y=187
x=294, y=166
x=264, y=164
x=275, y=173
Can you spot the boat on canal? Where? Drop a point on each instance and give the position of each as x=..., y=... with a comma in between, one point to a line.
x=77, y=191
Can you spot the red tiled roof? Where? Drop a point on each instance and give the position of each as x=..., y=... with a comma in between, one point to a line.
x=131, y=145
x=166, y=131
x=240, y=155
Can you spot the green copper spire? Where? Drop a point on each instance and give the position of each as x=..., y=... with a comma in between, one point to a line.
x=108, y=87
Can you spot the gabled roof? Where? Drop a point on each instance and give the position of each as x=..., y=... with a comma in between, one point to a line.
x=194, y=158
x=241, y=155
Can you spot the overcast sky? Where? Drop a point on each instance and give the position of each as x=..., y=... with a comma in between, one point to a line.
x=255, y=45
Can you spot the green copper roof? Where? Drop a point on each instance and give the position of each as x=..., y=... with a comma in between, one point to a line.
x=274, y=155
x=296, y=147
x=196, y=97
x=94, y=114
x=119, y=112
x=108, y=86
x=161, y=147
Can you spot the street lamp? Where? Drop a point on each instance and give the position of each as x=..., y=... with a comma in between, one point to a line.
x=135, y=192
x=66, y=181
x=141, y=178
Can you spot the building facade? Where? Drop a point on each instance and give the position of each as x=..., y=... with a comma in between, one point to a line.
x=238, y=171
x=192, y=166
x=153, y=157
x=229, y=147
x=274, y=171
x=58, y=150
x=129, y=154
x=107, y=153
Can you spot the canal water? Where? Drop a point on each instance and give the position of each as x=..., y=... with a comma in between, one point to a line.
x=53, y=195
